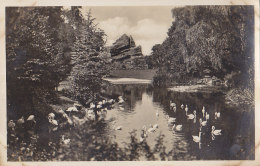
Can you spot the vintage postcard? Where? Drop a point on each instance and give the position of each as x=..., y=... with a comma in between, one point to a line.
x=128, y=82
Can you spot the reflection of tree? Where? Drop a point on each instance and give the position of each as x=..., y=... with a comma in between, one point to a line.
x=130, y=92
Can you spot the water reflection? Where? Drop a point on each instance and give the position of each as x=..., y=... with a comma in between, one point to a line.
x=145, y=106
x=156, y=115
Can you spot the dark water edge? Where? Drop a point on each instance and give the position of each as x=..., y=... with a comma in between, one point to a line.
x=241, y=131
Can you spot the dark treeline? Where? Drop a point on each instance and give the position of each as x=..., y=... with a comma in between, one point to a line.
x=215, y=39
x=39, y=42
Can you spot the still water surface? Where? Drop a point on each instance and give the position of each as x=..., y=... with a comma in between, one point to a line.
x=145, y=106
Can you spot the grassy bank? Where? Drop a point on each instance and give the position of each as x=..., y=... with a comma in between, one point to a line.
x=139, y=74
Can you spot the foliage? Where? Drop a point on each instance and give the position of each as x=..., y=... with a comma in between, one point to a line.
x=89, y=65
x=35, y=57
x=217, y=38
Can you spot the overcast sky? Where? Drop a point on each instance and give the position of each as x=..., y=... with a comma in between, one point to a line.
x=147, y=25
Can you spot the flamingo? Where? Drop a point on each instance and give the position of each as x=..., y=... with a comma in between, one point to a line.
x=177, y=127
x=197, y=139
x=170, y=119
x=192, y=116
x=215, y=132
x=203, y=123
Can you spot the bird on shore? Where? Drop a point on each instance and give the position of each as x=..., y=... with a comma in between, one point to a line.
x=11, y=124
x=172, y=104
x=52, y=121
x=143, y=134
x=65, y=141
x=152, y=129
x=121, y=100
x=192, y=116
x=20, y=121
x=157, y=113
x=30, y=122
x=177, y=127
x=51, y=115
x=170, y=119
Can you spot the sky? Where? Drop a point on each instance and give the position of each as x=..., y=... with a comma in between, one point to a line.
x=147, y=25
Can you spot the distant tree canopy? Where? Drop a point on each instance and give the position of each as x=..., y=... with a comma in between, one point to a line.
x=215, y=38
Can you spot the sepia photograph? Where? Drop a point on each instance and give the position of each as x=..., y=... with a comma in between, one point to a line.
x=130, y=83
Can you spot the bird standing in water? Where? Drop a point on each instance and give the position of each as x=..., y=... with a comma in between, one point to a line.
x=182, y=106
x=203, y=111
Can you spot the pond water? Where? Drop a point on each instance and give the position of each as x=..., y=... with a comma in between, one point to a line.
x=147, y=106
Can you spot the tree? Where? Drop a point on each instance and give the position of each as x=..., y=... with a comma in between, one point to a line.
x=89, y=66
x=35, y=56
x=217, y=38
